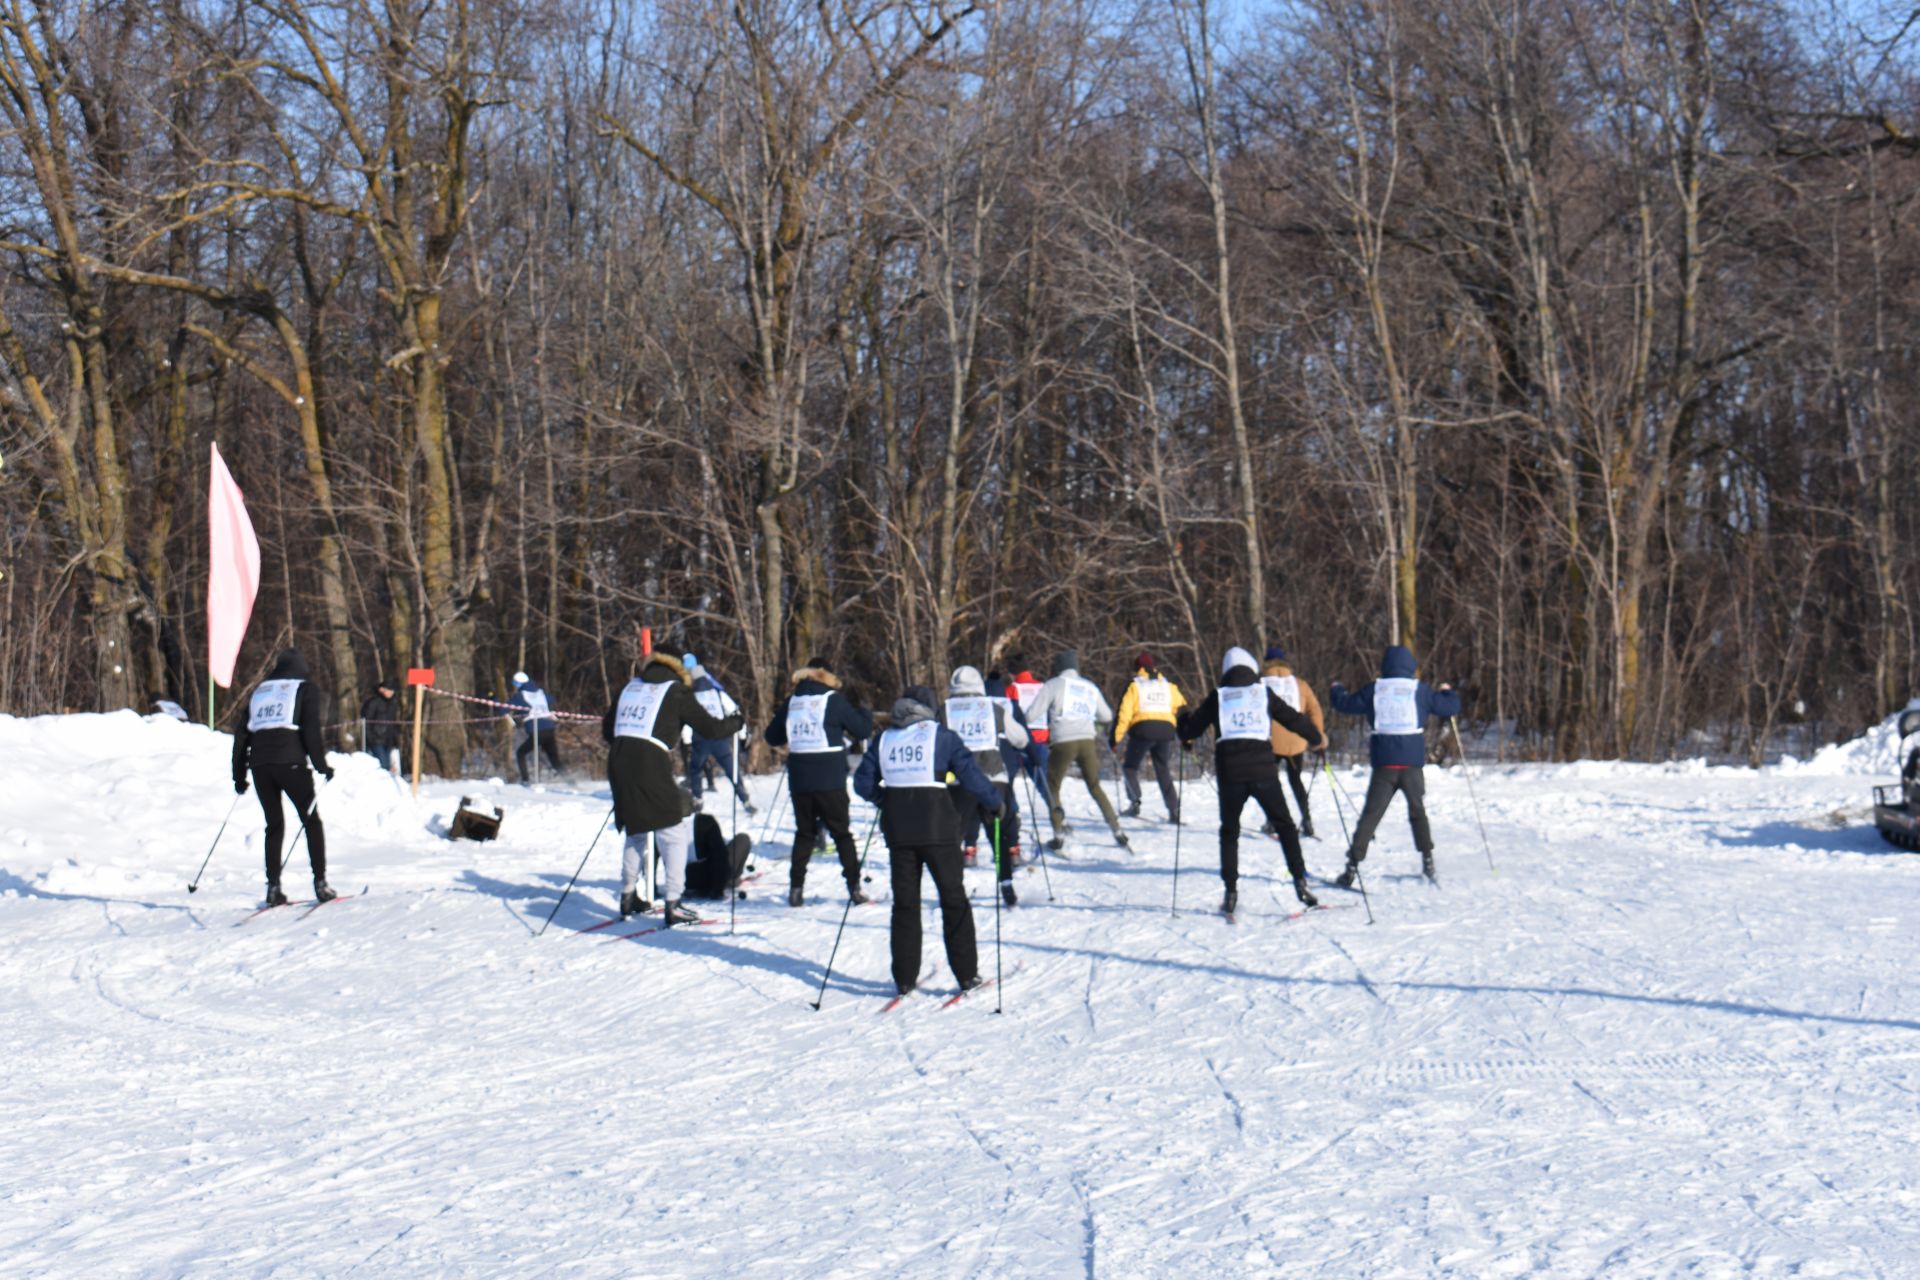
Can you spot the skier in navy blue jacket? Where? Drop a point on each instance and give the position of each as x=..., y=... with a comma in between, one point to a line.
x=814, y=723
x=905, y=772
x=1396, y=706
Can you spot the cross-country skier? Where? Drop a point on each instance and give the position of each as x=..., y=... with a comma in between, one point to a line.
x=1025, y=687
x=380, y=713
x=904, y=772
x=1397, y=706
x=1017, y=759
x=281, y=735
x=814, y=724
x=641, y=728
x=1148, y=712
x=985, y=724
x=1075, y=714
x=719, y=704
x=534, y=714
x=1289, y=746
x=1240, y=712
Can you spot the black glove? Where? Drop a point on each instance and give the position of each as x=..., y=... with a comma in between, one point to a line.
x=239, y=786
x=326, y=771
x=1187, y=746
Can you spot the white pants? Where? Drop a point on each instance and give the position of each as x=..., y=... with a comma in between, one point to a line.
x=672, y=844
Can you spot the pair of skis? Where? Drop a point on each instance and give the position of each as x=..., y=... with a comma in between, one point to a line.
x=956, y=997
x=310, y=905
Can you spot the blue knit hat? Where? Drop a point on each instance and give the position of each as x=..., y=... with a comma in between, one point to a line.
x=1276, y=653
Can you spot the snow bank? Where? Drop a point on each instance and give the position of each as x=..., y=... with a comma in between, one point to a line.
x=1875, y=753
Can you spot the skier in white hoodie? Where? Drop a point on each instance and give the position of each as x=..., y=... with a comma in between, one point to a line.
x=1077, y=715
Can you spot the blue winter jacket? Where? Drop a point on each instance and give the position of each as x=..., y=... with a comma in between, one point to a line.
x=1398, y=750
x=846, y=720
x=925, y=815
x=518, y=698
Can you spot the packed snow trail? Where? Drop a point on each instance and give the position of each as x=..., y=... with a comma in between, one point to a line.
x=1679, y=1034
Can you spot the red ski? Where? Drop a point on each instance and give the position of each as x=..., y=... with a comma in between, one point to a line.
x=254, y=915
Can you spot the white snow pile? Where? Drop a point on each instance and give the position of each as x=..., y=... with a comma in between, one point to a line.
x=1678, y=1034
x=1875, y=752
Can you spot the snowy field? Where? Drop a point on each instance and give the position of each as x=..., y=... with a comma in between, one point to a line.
x=1677, y=1035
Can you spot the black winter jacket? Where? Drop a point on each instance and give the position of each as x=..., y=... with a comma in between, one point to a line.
x=1251, y=761
x=640, y=770
x=284, y=746
x=918, y=816
x=381, y=714
x=846, y=720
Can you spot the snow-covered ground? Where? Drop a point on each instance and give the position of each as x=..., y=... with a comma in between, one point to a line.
x=1677, y=1034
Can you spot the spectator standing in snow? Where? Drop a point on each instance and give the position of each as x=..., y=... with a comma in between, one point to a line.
x=1396, y=707
x=534, y=714
x=641, y=728
x=380, y=714
x=1240, y=712
x=986, y=726
x=1075, y=713
x=720, y=705
x=1149, y=710
x=904, y=772
x=814, y=723
x=1290, y=747
x=281, y=734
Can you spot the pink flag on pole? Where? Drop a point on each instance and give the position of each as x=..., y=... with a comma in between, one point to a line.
x=233, y=571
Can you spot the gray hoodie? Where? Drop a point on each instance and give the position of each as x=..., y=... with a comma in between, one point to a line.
x=1069, y=690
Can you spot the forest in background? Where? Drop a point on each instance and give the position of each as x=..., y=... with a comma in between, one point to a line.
x=1572, y=342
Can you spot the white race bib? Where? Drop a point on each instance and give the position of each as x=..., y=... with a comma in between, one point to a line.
x=906, y=757
x=272, y=705
x=1287, y=687
x=1396, y=705
x=1153, y=697
x=807, y=724
x=715, y=703
x=1243, y=714
x=638, y=710
x=1079, y=700
x=538, y=708
x=1027, y=693
x=972, y=718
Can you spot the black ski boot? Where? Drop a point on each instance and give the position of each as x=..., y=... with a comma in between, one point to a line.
x=1426, y=868
x=1007, y=895
x=678, y=914
x=1306, y=829
x=1346, y=878
x=856, y=897
x=1269, y=830
x=630, y=904
x=1132, y=810
x=1120, y=838
x=1229, y=903
x=972, y=984
x=275, y=898
x=1300, y=891
x=796, y=897
x=322, y=893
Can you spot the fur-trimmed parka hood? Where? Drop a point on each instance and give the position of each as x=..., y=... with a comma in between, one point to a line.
x=820, y=674
x=671, y=664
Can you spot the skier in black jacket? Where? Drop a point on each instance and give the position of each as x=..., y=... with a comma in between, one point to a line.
x=905, y=772
x=642, y=728
x=281, y=734
x=814, y=724
x=1241, y=713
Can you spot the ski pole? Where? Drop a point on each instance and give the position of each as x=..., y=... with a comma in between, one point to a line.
x=1454, y=723
x=1179, y=790
x=1034, y=822
x=999, y=986
x=577, y=870
x=766, y=828
x=847, y=911
x=193, y=886
x=1339, y=791
x=312, y=805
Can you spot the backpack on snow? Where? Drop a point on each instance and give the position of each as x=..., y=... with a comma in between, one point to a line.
x=718, y=860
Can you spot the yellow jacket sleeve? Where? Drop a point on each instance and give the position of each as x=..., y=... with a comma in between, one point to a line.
x=1129, y=708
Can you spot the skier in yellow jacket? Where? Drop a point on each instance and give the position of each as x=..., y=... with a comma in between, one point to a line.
x=1146, y=725
x=1289, y=746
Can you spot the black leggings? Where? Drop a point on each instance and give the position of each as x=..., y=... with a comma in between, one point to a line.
x=295, y=782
